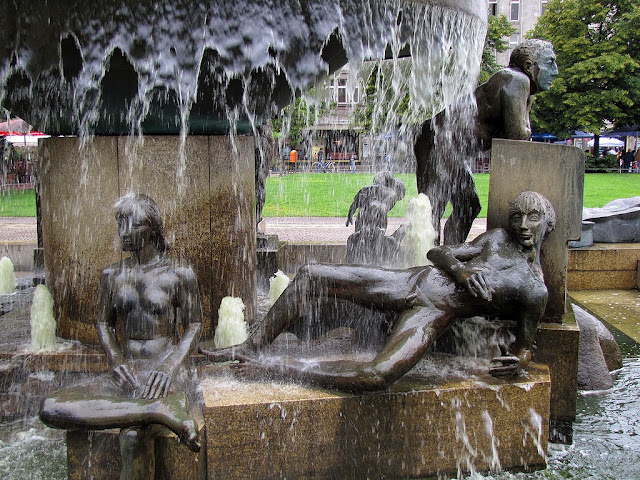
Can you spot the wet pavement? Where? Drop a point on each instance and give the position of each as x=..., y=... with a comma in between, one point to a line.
x=619, y=308
x=18, y=230
x=332, y=229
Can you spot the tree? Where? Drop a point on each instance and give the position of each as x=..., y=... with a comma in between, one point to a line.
x=498, y=29
x=598, y=48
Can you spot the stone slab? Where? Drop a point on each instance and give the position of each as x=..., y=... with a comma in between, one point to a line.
x=555, y=171
x=604, y=266
x=557, y=347
x=419, y=428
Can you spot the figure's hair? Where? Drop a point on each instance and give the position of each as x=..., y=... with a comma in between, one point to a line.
x=146, y=212
x=528, y=201
x=528, y=50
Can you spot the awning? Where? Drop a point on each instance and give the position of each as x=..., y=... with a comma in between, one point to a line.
x=608, y=142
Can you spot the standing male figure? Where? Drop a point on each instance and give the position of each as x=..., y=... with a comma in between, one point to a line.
x=447, y=143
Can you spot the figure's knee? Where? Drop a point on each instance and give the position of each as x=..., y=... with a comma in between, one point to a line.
x=49, y=412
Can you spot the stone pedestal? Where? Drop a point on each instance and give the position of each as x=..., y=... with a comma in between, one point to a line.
x=205, y=191
x=416, y=429
x=96, y=456
x=557, y=172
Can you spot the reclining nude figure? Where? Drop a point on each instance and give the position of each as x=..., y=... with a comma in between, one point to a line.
x=498, y=273
x=155, y=298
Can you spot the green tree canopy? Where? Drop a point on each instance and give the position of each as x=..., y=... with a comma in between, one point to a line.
x=598, y=48
x=498, y=29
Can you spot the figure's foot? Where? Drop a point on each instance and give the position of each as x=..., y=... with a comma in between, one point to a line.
x=176, y=411
x=190, y=436
x=509, y=366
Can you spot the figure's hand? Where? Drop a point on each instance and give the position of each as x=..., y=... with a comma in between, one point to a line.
x=157, y=386
x=124, y=377
x=476, y=283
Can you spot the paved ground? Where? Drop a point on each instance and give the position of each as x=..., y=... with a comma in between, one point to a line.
x=331, y=229
x=293, y=229
x=18, y=229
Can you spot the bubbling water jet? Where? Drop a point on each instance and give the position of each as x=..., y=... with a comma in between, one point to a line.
x=43, y=322
x=7, y=276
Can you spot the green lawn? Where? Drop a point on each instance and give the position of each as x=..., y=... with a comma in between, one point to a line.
x=331, y=194
x=20, y=203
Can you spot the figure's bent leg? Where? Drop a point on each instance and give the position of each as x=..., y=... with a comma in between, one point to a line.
x=369, y=287
x=68, y=410
x=466, y=207
x=410, y=339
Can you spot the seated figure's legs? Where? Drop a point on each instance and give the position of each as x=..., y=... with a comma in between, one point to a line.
x=86, y=408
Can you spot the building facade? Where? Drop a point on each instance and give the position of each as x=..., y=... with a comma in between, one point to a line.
x=523, y=14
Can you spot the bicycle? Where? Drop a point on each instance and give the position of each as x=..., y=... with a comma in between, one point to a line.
x=324, y=167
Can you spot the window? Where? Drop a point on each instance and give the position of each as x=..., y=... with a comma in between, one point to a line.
x=342, y=91
x=543, y=6
x=514, y=40
x=515, y=10
x=493, y=7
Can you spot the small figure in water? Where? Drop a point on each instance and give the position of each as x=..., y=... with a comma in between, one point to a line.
x=154, y=298
x=369, y=245
x=498, y=273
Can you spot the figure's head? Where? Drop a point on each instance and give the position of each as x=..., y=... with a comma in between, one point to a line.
x=387, y=179
x=531, y=219
x=139, y=221
x=537, y=59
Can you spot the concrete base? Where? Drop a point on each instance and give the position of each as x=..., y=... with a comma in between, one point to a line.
x=422, y=427
x=96, y=456
x=604, y=266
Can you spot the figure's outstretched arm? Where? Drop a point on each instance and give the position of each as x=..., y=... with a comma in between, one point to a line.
x=357, y=201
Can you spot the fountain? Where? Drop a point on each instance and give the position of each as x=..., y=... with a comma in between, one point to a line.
x=7, y=276
x=164, y=98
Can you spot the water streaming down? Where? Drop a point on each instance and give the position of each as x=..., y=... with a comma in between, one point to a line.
x=277, y=284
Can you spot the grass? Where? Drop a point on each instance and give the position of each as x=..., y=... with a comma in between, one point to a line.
x=330, y=195
x=18, y=203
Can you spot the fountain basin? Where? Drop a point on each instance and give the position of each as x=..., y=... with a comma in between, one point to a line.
x=162, y=68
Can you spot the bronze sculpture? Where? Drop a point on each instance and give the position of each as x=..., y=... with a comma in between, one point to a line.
x=149, y=299
x=447, y=144
x=369, y=244
x=498, y=273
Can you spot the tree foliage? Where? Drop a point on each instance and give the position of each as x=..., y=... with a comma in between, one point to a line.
x=598, y=48
x=498, y=29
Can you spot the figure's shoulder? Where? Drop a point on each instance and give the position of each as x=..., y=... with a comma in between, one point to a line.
x=184, y=271
x=496, y=235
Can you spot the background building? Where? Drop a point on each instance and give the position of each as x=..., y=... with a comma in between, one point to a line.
x=523, y=14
